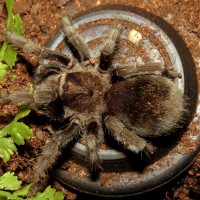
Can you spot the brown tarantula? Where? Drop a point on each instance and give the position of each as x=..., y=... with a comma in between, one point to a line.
x=140, y=101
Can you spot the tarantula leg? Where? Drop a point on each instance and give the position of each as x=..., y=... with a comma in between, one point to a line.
x=21, y=42
x=43, y=71
x=92, y=149
x=74, y=38
x=145, y=69
x=50, y=153
x=55, y=55
x=92, y=146
x=129, y=139
x=30, y=47
x=17, y=97
x=48, y=100
x=134, y=70
x=109, y=47
x=172, y=73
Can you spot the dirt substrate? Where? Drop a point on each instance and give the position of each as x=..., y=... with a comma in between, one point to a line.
x=41, y=20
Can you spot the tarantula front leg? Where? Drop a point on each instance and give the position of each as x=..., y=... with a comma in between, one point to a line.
x=129, y=139
x=44, y=71
x=17, y=97
x=30, y=47
x=48, y=100
x=74, y=38
x=50, y=153
x=145, y=69
x=109, y=47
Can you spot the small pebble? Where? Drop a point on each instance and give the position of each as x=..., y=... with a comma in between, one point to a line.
x=134, y=36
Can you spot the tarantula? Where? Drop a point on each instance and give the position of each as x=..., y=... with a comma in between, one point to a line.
x=141, y=101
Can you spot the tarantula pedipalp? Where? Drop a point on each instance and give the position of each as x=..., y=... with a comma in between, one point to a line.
x=142, y=103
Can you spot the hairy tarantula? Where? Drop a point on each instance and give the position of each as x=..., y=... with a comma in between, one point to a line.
x=143, y=101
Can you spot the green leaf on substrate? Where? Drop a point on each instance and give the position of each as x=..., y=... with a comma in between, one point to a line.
x=22, y=192
x=18, y=132
x=3, y=49
x=23, y=112
x=10, y=189
x=14, y=22
x=2, y=70
x=3, y=66
x=15, y=126
x=9, y=182
x=8, y=54
x=49, y=194
x=7, y=148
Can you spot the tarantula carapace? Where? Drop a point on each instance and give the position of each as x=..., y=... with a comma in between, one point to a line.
x=141, y=100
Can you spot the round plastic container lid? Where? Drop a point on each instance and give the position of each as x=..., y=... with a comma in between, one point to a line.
x=125, y=175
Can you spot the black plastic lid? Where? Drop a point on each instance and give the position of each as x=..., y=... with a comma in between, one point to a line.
x=126, y=175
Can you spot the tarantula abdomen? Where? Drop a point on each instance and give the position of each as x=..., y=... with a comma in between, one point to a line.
x=150, y=105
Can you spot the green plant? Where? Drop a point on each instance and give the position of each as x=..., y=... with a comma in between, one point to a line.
x=17, y=131
x=8, y=55
x=10, y=189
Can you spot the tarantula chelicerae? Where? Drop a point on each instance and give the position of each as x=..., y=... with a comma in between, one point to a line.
x=142, y=101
